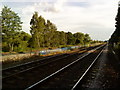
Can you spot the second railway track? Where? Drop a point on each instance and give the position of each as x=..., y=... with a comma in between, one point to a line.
x=24, y=80
x=69, y=76
x=25, y=66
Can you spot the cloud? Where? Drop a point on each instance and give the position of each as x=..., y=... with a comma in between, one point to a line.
x=1, y=6
x=25, y=0
x=96, y=17
x=45, y=7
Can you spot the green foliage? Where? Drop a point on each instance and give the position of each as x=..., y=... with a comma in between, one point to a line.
x=43, y=34
x=62, y=38
x=115, y=38
x=82, y=38
x=5, y=47
x=87, y=39
x=11, y=25
x=22, y=42
x=37, y=30
x=79, y=38
x=13, y=39
x=70, y=38
x=51, y=34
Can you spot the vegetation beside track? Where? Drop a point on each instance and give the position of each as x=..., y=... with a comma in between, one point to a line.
x=43, y=34
x=115, y=38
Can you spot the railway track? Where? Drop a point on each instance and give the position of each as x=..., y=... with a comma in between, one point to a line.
x=69, y=76
x=29, y=65
x=103, y=74
x=26, y=66
x=33, y=64
x=83, y=76
x=24, y=78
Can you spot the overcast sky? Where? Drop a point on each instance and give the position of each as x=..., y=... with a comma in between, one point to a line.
x=95, y=17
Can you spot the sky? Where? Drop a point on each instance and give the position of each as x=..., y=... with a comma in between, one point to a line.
x=95, y=17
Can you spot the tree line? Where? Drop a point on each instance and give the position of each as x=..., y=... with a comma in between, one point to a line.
x=44, y=33
x=115, y=37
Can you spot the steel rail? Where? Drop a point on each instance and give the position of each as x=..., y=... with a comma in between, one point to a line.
x=20, y=65
x=51, y=75
x=33, y=67
x=38, y=65
x=32, y=62
x=87, y=70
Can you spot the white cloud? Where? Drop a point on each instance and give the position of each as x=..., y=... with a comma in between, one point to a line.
x=1, y=7
x=98, y=19
x=25, y=0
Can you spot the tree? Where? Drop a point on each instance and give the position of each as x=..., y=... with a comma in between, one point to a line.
x=62, y=38
x=50, y=35
x=79, y=37
x=11, y=26
x=115, y=37
x=87, y=39
x=45, y=34
x=22, y=42
x=37, y=30
x=70, y=38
